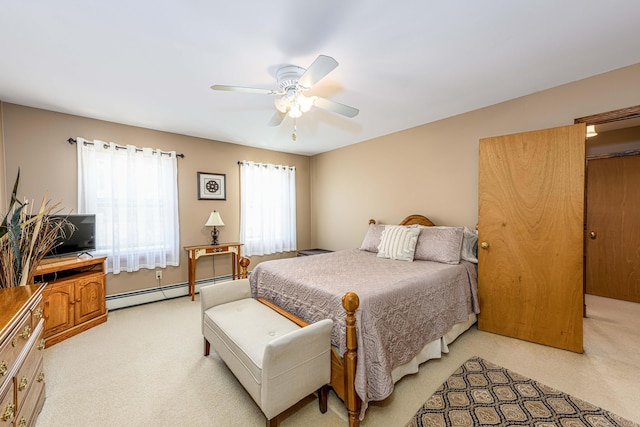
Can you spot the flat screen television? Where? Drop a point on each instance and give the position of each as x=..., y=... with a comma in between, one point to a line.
x=78, y=238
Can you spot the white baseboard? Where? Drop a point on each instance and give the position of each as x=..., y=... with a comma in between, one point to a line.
x=145, y=296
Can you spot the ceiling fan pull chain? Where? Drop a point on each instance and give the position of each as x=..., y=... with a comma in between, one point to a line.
x=295, y=130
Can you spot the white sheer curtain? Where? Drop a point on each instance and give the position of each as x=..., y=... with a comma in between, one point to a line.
x=268, y=208
x=134, y=194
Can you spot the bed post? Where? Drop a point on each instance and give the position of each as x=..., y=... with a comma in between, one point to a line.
x=243, y=263
x=350, y=302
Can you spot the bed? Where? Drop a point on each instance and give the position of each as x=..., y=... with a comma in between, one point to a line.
x=390, y=313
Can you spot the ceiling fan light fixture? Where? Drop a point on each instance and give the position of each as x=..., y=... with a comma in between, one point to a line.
x=294, y=111
x=282, y=104
x=304, y=102
x=294, y=104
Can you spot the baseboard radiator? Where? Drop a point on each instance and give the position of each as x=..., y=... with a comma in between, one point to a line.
x=158, y=293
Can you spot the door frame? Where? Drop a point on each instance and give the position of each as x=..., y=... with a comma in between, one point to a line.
x=611, y=155
x=610, y=116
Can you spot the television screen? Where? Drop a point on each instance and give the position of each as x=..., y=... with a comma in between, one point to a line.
x=78, y=238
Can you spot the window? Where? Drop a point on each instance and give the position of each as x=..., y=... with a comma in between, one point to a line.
x=268, y=208
x=134, y=194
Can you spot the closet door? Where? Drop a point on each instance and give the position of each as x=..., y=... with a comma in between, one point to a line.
x=530, y=234
x=613, y=227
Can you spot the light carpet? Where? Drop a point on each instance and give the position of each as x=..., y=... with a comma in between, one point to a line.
x=145, y=367
x=482, y=393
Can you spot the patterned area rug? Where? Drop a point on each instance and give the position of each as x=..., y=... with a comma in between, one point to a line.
x=480, y=393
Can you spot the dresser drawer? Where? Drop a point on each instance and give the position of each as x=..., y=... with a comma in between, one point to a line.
x=34, y=399
x=27, y=374
x=7, y=407
x=37, y=313
x=13, y=346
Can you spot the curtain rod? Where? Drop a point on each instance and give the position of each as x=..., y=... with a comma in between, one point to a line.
x=73, y=141
x=245, y=162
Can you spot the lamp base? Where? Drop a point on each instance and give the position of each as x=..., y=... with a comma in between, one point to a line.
x=214, y=236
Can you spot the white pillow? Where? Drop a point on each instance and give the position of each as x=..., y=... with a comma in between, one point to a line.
x=398, y=242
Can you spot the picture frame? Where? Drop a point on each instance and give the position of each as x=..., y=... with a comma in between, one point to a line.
x=212, y=186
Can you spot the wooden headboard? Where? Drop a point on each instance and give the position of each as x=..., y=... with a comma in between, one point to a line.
x=412, y=219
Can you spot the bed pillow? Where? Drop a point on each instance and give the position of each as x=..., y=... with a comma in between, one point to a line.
x=398, y=242
x=469, y=245
x=440, y=244
x=372, y=238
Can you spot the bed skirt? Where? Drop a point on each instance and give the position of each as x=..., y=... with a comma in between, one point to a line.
x=434, y=349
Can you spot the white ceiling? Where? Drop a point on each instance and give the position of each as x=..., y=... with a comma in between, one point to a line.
x=402, y=63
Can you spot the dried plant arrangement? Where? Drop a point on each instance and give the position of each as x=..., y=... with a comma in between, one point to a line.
x=26, y=237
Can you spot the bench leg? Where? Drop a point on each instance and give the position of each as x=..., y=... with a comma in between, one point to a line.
x=273, y=422
x=322, y=398
x=207, y=347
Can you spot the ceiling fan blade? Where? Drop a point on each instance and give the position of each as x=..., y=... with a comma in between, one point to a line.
x=277, y=118
x=336, y=107
x=322, y=66
x=244, y=89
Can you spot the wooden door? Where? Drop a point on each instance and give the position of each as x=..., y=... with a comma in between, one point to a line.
x=58, y=308
x=530, y=231
x=613, y=228
x=90, y=298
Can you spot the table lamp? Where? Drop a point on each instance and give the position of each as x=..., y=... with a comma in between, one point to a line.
x=214, y=221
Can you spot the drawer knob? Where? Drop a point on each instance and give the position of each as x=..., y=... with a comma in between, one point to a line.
x=24, y=382
x=41, y=344
x=41, y=377
x=8, y=412
x=22, y=422
x=3, y=368
x=38, y=313
x=26, y=332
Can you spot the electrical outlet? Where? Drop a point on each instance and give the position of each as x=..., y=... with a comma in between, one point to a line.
x=158, y=274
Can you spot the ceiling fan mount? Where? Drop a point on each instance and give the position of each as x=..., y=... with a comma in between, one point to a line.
x=293, y=81
x=288, y=77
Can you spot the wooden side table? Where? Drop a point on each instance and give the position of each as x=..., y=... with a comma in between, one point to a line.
x=195, y=252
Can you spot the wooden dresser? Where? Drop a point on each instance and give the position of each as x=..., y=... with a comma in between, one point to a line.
x=21, y=355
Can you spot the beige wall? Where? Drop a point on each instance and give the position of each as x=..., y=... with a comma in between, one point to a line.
x=614, y=141
x=35, y=141
x=433, y=169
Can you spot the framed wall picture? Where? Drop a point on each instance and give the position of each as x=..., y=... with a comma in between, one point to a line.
x=212, y=186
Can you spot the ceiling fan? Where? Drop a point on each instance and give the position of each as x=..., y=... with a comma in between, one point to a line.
x=293, y=81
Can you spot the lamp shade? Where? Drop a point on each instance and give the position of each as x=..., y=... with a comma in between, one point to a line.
x=214, y=220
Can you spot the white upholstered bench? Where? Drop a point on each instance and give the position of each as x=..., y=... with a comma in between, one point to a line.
x=276, y=361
